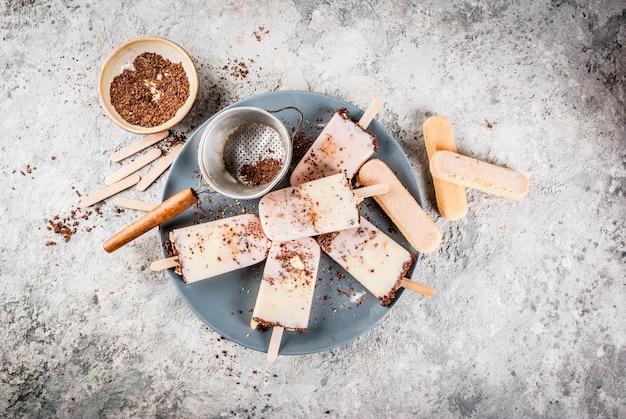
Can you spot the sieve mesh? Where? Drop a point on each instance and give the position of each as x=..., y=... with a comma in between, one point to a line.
x=248, y=145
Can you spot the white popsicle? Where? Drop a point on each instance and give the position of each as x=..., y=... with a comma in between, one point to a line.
x=342, y=146
x=320, y=206
x=205, y=250
x=286, y=291
x=374, y=259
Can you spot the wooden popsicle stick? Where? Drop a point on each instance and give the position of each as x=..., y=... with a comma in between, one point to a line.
x=477, y=174
x=158, y=170
x=130, y=168
x=163, y=264
x=372, y=190
x=136, y=147
x=166, y=210
x=277, y=336
x=370, y=112
x=110, y=190
x=133, y=204
x=414, y=286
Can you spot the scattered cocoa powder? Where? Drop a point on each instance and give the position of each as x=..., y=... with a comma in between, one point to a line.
x=238, y=68
x=67, y=225
x=301, y=143
x=27, y=171
x=171, y=142
x=150, y=94
x=263, y=171
x=261, y=31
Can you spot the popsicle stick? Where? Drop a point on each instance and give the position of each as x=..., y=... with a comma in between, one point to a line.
x=277, y=336
x=134, y=204
x=370, y=112
x=166, y=210
x=136, y=147
x=158, y=170
x=372, y=190
x=414, y=286
x=477, y=174
x=110, y=190
x=163, y=264
x=130, y=168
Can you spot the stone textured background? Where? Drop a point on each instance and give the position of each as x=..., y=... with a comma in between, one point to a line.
x=529, y=317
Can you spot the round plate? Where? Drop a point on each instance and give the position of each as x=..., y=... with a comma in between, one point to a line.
x=342, y=309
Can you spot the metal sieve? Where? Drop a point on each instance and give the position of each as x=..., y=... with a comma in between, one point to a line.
x=244, y=140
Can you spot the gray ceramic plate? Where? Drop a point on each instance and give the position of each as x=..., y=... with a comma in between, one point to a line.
x=342, y=309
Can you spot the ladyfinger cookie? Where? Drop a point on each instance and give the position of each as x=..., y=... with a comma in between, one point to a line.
x=412, y=221
x=451, y=199
x=477, y=174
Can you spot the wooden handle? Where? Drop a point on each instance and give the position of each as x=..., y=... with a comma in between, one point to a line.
x=166, y=210
x=425, y=290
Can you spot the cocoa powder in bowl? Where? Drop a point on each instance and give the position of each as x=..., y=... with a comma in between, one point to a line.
x=151, y=93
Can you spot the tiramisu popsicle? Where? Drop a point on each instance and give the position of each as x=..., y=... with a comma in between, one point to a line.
x=312, y=208
x=477, y=174
x=286, y=290
x=412, y=221
x=342, y=146
x=374, y=259
x=209, y=249
x=451, y=198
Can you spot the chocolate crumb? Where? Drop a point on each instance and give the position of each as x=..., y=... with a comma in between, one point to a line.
x=172, y=141
x=262, y=172
x=301, y=143
x=152, y=93
x=67, y=225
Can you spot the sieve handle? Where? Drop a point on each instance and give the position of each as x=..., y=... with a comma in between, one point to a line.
x=166, y=210
x=300, y=121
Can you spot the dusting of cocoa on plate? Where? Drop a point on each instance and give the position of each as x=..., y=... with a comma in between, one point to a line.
x=151, y=93
x=301, y=143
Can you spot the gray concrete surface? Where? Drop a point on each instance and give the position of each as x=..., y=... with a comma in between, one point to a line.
x=528, y=320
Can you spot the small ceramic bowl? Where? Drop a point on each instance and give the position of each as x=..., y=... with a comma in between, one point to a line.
x=122, y=58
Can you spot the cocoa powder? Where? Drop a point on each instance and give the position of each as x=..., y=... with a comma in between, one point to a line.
x=150, y=94
x=262, y=172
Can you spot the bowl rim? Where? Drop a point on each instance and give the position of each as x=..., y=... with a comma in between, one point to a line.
x=192, y=76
